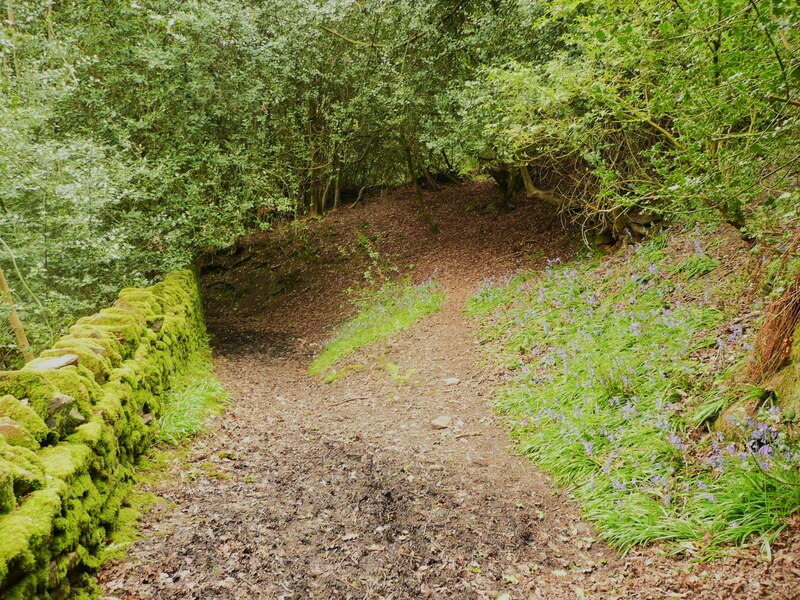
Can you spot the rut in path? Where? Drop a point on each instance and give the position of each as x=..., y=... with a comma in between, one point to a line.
x=303, y=489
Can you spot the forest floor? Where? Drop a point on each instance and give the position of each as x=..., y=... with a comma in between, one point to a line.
x=306, y=489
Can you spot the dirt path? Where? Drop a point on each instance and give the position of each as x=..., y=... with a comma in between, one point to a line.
x=310, y=490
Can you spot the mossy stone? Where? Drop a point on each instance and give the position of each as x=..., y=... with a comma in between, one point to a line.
x=65, y=460
x=39, y=387
x=26, y=534
x=25, y=415
x=786, y=384
x=8, y=500
x=15, y=434
x=26, y=477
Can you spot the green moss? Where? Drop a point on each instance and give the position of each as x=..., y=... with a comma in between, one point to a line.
x=126, y=325
x=145, y=302
x=90, y=355
x=24, y=468
x=62, y=503
x=65, y=460
x=35, y=387
x=22, y=456
x=16, y=435
x=25, y=415
x=126, y=528
x=39, y=388
x=24, y=590
x=8, y=500
x=96, y=336
x=89, y=433
x=26, y=533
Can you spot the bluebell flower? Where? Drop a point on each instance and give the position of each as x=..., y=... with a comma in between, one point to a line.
x=676, y=441
x=588, y=446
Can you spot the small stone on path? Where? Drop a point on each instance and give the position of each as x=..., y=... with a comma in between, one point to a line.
x=452, y=381
x=442, y=422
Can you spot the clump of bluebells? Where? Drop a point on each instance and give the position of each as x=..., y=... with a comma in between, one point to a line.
x=391, y=309
x=609, y=381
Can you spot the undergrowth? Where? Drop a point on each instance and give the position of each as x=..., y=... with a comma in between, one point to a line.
x=194, y=396
x=394, y=307
x=618, y=374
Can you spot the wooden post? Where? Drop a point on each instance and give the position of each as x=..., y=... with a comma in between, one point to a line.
x=531, y=191
x=16, y=324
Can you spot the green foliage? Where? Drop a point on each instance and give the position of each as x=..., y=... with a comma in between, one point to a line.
x=612, y=392
x=392, y=308
x=697, y=265
x=194, y=396
x=135, y=136
x=689, y=109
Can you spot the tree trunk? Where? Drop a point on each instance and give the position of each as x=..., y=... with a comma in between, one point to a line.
x=51, y=33
x=323, y=200
x=337, y=193
x=507, y=180
x=447, y=163
x=530, y=189
x=16, y=324
x=429, y=179
x=360, y=195
x=423, y=209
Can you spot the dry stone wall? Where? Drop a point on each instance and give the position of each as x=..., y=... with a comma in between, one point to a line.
x=73, y=422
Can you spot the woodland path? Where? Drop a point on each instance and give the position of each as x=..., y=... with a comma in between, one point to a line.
x=303, y=489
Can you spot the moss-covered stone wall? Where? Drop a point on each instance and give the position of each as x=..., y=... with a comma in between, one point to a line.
x=73, y=422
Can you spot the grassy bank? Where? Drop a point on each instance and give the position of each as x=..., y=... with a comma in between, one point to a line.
x=196, y=396
x=619, y=370
x=391, y=309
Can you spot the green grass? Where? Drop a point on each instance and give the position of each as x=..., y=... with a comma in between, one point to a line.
x=396, y=372
x=126, y=527
x=393, y=308
x=194, y=396
x=614, y=385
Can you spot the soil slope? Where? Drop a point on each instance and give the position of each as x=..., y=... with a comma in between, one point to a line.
x=303, y=489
